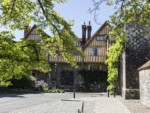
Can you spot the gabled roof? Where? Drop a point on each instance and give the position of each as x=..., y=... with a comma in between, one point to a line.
x=30, y=31
x=79, y=39
x=34, y=27
x=90, y=40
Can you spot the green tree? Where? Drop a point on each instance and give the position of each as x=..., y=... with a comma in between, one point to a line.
x=126, y=11
x=19, y=58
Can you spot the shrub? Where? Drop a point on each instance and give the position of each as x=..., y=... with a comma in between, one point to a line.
x=56, y=90
x=41, y=85
x=26, y=82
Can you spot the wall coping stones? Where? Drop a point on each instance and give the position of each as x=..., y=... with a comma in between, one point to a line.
x=145, y=66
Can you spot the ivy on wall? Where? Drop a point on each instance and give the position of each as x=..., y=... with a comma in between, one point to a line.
x=112, y=61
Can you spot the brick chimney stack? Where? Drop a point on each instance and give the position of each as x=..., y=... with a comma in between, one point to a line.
x=89, y=31
x=83, y=34
x=26, y=30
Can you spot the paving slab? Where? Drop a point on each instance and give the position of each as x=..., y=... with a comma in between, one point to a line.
x=104, y=104
x=53, y=107
x=135, y=106
x=110, y=105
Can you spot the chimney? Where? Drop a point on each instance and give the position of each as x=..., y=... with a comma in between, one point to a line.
x=89, y=31
x=83, y=34
x=26, y=30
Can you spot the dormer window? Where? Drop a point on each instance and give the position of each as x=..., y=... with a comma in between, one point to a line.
x=100, y=37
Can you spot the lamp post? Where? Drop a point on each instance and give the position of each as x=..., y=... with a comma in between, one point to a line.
x=56, y=75
x=49, y=80
x=74, y=88
x=49, y=74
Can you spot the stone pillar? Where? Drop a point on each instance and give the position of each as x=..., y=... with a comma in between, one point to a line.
x=123, y=74
x=137, y=50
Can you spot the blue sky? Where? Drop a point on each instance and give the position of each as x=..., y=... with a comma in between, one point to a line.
x=78, y=10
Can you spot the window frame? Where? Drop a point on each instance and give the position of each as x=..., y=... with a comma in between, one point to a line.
x=75, y=54
x=98, y=39
x=98, y=51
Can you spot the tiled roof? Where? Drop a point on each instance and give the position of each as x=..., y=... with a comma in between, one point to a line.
x=145, y=66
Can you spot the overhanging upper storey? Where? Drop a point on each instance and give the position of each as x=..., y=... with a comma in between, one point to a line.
x=94, y=47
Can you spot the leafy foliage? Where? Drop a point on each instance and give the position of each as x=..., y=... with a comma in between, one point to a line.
x=19, y=58
x=112, y=61
x=42, y=87
x=55, y=91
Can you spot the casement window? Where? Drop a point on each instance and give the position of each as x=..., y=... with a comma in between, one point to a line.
x=100, y=37
x=75, y=54
x=95, y=51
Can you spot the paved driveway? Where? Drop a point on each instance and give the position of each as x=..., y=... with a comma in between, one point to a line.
x=64, y=103
x=15, y=102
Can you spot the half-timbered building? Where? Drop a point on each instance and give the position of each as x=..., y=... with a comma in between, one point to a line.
x=94, y=48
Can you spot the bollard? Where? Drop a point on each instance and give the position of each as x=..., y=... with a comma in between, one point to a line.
x=114, y=93
x=82, y=110
x=79, y=111
x=74, y=93
x=107, y=93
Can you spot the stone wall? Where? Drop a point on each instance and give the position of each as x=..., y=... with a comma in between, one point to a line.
x=64, y=76
x=144, y=76
x=73, y=74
